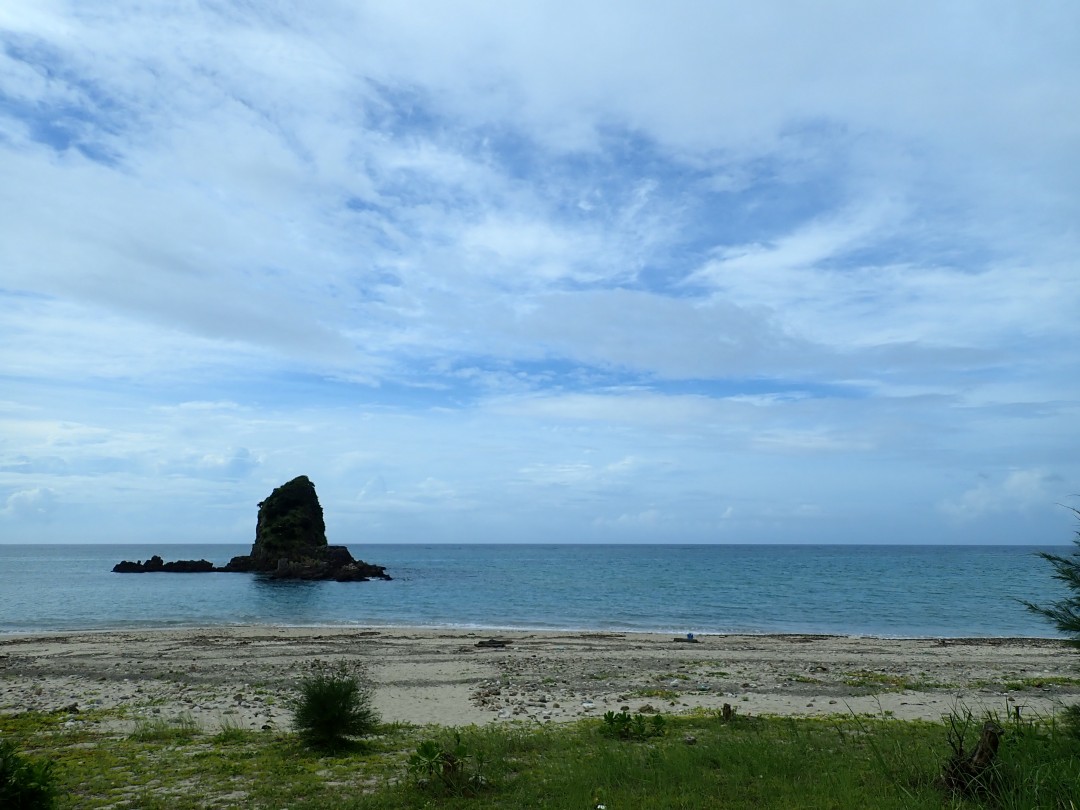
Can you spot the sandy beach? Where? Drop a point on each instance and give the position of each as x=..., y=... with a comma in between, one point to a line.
x=243, y=676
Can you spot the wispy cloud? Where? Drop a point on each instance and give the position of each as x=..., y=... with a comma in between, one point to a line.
x=777, y=257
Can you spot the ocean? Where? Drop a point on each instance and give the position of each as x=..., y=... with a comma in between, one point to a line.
x=905, y=591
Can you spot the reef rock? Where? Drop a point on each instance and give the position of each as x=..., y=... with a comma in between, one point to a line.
x=156, y=564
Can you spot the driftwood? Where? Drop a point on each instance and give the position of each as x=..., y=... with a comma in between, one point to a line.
x=497, y=643
x=966, y=773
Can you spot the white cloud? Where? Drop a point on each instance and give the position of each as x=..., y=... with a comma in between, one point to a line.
x=548, y=260
x=31, y=505
x=647, y=518
x=1019, y=490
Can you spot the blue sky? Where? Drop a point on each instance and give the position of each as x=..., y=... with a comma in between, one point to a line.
x=540, y=271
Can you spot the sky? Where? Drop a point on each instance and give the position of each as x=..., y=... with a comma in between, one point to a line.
x=593, y=271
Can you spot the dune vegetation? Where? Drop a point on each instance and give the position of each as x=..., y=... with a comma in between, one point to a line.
x=702, y=760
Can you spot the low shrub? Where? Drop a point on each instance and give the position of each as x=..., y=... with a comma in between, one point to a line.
x=25, y=783
x=333, y=705
x=624, y=726
x=450, y=768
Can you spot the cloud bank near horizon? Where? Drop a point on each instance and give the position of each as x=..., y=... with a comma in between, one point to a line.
x=545, y=272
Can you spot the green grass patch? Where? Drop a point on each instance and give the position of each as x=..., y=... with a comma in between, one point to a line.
x=175, y=729
x=891, y=682
x=1040, y=682
x=697, y=762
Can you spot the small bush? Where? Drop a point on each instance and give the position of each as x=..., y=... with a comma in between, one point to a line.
x=25, y=784
x=1070, y=718
x=624, y=726
x=454, y=769
x=333, y=705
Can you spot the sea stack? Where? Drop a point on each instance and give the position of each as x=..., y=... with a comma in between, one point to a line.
x=290, y=543
x=290, y=540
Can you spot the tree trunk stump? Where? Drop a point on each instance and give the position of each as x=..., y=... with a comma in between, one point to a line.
x=966, y=773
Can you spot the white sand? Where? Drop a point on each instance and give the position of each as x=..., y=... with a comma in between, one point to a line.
x=243, y=676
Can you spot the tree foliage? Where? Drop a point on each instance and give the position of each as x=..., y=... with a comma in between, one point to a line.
x=1064, y=613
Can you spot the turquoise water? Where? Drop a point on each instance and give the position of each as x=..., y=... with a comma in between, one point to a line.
x=850, y=590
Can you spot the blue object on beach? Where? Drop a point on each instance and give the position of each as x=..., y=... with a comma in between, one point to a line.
x=689, y=636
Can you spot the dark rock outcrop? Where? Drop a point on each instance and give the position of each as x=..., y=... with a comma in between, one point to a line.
x=156, y=564
x=290, y=543
x=290, y=525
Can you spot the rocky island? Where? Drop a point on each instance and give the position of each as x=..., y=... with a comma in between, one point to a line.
x=290, y=543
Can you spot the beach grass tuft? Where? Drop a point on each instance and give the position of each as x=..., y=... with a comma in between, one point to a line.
x=181, y=728
x=333, y=705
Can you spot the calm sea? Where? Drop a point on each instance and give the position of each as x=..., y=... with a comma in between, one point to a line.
x=850, y=590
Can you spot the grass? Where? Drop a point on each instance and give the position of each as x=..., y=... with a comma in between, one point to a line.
x=889, y=682
x=838, y=762
x=177, y=729
x=27, y=784
x=1041, y=682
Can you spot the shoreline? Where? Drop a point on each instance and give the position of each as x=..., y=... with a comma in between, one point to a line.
x=515, y=629
x=510, y=631
x=243, y=674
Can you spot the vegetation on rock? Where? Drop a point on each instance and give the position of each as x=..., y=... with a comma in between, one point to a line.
x=290, y=524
